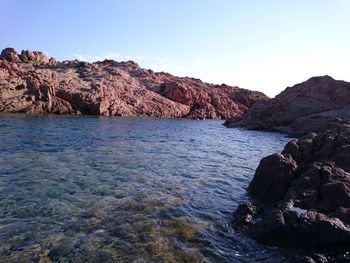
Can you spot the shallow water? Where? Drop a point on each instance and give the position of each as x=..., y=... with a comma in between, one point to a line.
x=89, y=189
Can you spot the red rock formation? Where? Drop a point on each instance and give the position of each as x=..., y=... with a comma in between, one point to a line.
x=30, y=82
x=316, y=105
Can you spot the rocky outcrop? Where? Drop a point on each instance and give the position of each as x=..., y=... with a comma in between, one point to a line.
x=10, y=55
x=32, y=83
x=302, y=196
x=37, y=57
x=263, y=186
x=319, y=104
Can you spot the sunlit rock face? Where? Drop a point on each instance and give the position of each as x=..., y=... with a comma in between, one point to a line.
x=30, y=82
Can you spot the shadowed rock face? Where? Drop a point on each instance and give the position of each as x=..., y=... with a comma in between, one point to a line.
x=316, y=105
x=32, y=83
x=302, y=194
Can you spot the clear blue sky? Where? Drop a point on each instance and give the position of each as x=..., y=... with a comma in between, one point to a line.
x=259, y=45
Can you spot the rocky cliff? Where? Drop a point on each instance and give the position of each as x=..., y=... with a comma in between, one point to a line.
x=315, y=105
x=30, y=82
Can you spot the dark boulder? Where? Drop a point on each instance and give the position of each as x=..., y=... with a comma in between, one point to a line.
x=273, y=170
x=302, y=195
x=288, y=228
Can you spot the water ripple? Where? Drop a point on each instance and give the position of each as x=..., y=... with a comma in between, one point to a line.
x=89, y=189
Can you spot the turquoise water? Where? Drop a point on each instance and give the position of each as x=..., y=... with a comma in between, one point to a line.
x=90, y=189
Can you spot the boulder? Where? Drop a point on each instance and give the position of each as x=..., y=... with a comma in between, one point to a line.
x=34, y=56
x=309, y=230
x=302, y=194
x=276, y=169
x=10, y=55
x=37, y=57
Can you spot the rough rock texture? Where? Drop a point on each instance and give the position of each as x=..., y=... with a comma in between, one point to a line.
x=32, y=83
x=315, y=105
x=302, y=194
x=263, y=186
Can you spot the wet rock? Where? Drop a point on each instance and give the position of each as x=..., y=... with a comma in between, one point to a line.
x=276, y=169
x=59, y=252
x=245, y=214
x=343, y=213
x=307, y=230
x=324, y=187
x=303, y=194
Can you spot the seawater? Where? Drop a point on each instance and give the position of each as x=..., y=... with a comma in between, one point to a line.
x=92, y=189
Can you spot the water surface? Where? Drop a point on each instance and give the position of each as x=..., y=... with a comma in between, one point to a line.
x=89, y=189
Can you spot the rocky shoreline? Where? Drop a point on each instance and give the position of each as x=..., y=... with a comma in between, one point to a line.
x=32, y=83
x=316, y=105
x=301, y=197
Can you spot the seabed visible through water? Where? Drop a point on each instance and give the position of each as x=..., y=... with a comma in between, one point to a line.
x=90, y=189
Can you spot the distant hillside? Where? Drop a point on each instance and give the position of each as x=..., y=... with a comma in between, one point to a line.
x=32, y=83
x=315, y=105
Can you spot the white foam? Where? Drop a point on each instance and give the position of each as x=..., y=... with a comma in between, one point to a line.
x=298, y=210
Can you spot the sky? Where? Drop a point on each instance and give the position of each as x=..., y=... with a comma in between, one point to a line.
x=259, y=45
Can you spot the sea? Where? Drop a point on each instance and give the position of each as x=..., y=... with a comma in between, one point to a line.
x=127, y=189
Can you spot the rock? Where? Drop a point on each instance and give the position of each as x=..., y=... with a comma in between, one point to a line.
x=177, y=92
x=60, y=251
x=10, y=55
x=273, y=170
x=330, y=146
x=34, y=84
x=343, y=214
x=245, y=214
x=34, y=56
x=316, y=105
x=291, y=229
x=322, y=186
x=303, y=194
x=52, y=61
